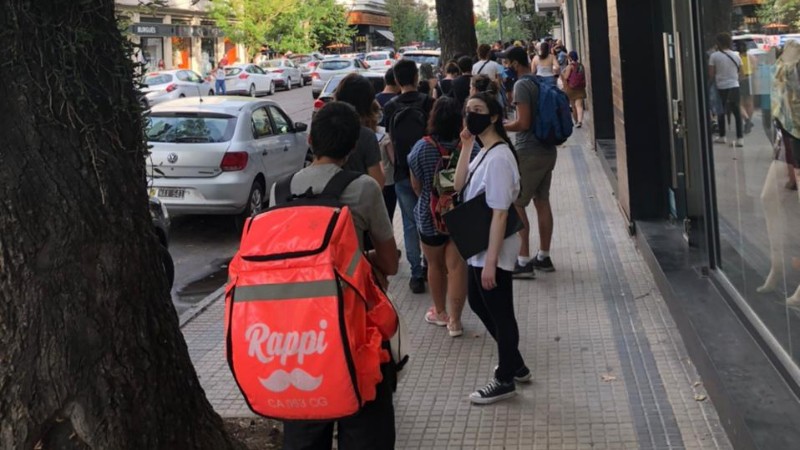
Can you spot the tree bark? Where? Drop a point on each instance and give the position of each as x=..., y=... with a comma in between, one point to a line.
x=456, y=28
x=91, y=355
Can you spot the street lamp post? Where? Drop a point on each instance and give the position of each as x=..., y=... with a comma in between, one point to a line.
x=500, y=20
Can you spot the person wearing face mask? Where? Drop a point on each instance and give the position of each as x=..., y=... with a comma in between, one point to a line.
x=536, y=163
x=493, y=171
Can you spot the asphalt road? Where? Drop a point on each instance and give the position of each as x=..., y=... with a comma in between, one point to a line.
x=201, y=246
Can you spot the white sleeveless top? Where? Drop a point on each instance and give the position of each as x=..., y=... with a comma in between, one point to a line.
x=545, y=70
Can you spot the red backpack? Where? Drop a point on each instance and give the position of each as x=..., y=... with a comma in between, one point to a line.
x=304, y=318
x=443, y=189
x=577, y=78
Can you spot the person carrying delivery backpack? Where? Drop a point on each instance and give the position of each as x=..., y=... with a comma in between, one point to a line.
x=307, y=318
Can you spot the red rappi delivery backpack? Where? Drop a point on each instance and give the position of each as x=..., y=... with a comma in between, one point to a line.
x=304, y=318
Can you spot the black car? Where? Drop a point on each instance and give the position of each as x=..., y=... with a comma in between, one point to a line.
x=161, y=222
x=376, y=78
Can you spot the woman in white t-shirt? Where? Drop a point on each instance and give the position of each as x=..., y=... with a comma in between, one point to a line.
x=486, y=66
x=493, y=171
x=724, y=66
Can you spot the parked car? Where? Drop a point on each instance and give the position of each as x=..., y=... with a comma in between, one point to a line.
x=161, y=223
x=249, y=79
x=287, y=74
x=306, y=64
x=164, y=85
x=380, y=61
x=376, y=78
x=402, y=50
x=221, y=155
x=423, y=56
x=753, y=41
x=328, y=68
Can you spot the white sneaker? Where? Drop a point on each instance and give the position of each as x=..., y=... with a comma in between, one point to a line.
x=720, y=140
x=738, y=143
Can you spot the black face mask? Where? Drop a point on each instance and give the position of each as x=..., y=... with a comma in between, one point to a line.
x=477, y=123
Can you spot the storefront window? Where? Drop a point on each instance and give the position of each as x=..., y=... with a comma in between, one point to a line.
x=182, y=52
x=207, y=55
x=153, y=53
x=753, y=98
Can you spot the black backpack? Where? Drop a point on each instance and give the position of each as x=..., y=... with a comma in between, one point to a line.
x=408, y=126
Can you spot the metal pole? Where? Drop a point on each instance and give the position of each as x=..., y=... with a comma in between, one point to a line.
x=500, y=20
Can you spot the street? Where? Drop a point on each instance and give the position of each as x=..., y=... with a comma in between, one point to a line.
x=201, y=246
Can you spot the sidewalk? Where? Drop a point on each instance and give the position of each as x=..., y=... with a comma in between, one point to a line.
x=610, y=369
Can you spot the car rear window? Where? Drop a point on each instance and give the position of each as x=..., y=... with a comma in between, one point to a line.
x=271, y=63
x=153, y=79
x=301, y=59
x=331, y=86
x=190, y=128
x=422, y=59
x=377, y=56
x=232, y=71
x=335, y=65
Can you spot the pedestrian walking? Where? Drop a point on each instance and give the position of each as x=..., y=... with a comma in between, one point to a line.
x=461, y=84
x=219, y=78
x=433, y=163
x=406, y=118
x=366, y=157
x=574, y=80
x=451, y=72
x=724, y=66
x=536, y=164
x=493, y=172
x=545, y=64
x=485, y=66
x=390, y=91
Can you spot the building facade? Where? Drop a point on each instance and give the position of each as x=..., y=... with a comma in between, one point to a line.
x=372, y=23
x=706, y=176
x=178, y=35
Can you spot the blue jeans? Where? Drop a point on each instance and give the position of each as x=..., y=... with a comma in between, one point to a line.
x=407, y=200
x=219, y=87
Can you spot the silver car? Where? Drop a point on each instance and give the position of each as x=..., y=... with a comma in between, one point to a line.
x=249, y=79
x=287, y=74
x=164, y=85
x=221, y=155
x=306, y=64
x=330, y=67
x=380, y=61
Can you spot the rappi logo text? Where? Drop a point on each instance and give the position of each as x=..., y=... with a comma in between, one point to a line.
x=266, y=345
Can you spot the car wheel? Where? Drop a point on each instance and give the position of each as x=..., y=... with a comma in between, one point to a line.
x=255, y=201
x=169, y=265
x=288, y=84
x=271, y=88
x=309, y=158
x=252, y=91
x=181, y=96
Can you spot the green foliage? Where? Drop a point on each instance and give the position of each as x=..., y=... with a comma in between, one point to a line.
x=283, y=25
x=519, y=22
x=785, y=12
x=409, y=21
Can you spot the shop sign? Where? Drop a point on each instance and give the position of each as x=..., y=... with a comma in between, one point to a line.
x=167, y=30
x=364, y=18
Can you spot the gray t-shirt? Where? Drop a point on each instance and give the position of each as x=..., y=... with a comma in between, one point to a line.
x=366, y=154
x=526, y=91
x=363, y=196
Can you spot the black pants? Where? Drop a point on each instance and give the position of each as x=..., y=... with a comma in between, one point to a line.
x=730, y=102
x=371, y=429
x=390, y=199
x=495, y=308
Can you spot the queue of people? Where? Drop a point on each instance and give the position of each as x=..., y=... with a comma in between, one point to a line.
x=429, y=146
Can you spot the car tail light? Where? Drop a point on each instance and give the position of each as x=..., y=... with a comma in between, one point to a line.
x=172, y=87
x=314, y=76
x=277, y=71
x=388, y=62
x=233, y=161
x=313, y=65
x=243, y=76
x=318, y=104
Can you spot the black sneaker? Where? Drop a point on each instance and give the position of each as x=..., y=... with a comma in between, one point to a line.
x=525, y=271
x=417, y=285
x=545, y=265
x=493, y=392
x=521, y=375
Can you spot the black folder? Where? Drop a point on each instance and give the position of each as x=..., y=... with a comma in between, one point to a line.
x=469, y=224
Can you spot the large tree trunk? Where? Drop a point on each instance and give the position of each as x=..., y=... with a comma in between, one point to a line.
x=91, y=355
x=456, y=28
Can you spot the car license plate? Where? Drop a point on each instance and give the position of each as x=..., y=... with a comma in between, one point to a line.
x=171, y=193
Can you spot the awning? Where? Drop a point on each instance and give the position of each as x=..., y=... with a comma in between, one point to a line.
x=387, y=34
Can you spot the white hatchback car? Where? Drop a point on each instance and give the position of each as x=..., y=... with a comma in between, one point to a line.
x=287, y=74
x=380, y=61
x=330, y=67
x=164, y=85
x=221, y=155
x=249, y=79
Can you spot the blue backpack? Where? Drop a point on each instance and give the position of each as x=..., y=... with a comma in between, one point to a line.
x=553, y=124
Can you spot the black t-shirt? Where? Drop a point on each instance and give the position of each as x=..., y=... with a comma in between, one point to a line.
x=446, y=85
x=460, y=89
x=390, y=108
x=384, y=97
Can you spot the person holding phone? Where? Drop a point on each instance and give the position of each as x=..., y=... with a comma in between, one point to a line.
x=494, y=171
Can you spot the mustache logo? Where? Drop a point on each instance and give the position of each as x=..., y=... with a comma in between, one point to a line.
x=280, y=380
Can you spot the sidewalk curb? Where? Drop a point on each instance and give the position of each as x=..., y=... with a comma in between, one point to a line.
x=201, y=306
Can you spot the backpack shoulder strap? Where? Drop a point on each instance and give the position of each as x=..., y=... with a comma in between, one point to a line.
x=442, y=151
x=283, y=190
x=339, y=183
